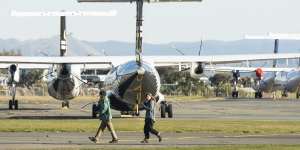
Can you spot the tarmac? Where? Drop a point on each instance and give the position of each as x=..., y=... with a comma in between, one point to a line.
x=231, y=109
x=132, y=140
x=239, y=109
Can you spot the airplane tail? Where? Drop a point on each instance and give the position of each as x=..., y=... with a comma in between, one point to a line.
x=276, y=37
x=63, y=36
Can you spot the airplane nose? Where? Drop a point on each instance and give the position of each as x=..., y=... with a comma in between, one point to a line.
x=141, y=71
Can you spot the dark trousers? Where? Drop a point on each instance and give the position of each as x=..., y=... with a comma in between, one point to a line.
x=148, y=128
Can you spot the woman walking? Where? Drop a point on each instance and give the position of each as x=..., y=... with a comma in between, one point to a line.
x=149, y=106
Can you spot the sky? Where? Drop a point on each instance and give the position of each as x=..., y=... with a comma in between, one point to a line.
x=164, y=23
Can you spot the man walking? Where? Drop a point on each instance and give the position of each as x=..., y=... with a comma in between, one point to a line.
x=149, y=106
x=105, y=117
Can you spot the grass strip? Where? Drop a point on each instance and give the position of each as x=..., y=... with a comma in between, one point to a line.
x=136, y=124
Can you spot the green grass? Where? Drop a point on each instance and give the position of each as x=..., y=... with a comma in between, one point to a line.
x=134, y=124
x=208, y=147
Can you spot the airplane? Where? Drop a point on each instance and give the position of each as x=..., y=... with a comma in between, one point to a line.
x=130, y=77
x=63, y=84
x=268, y=79
x=285, y=81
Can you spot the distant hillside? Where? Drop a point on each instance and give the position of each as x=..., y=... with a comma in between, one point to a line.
x=50, y=46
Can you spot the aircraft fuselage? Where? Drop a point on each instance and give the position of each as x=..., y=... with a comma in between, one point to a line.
x=127, y=86
x=63, y=85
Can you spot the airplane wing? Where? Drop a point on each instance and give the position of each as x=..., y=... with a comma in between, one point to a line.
x=26, y=66
x=150, y=1
x=156, y=60
x=247, y=69
x=219, y=59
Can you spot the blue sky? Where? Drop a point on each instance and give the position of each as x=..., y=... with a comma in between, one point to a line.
x=211, y=19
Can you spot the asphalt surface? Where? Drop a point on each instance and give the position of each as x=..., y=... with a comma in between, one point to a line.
x=132, y=140
x=251, y=109
x=242, y=109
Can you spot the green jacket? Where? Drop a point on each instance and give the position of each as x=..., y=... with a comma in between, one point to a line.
x=104, y=110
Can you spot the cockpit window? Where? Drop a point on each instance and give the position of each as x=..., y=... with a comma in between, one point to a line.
x=131, y=67
x=127, y=68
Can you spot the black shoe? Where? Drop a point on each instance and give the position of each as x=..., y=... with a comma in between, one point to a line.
x=145, y=141
x=159, y=138
x=93, y=139
x=114, y=141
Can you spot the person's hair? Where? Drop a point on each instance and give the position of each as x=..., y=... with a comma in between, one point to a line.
x=102, y=93
x=148, y=94
x=152, y=97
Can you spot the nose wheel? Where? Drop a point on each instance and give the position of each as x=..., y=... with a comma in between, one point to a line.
x=235, y=94
x=236, y=77
x=258, y=94
x=13, y=104
x=65, y=104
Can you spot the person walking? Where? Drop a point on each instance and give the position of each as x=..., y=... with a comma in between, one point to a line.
x=105, y=117
x=149, y=106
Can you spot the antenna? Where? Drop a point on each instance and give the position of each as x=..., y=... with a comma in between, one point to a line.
x=104, y=52
x=200, y=48
x=178, y=50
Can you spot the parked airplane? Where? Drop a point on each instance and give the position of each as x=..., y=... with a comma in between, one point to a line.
x=266, y=79
x=286, y=81
x=131, y=76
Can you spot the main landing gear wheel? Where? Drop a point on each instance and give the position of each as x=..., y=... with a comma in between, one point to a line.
x=258, y=95
x=166, y=108
x=13, y=104
x=65, y=105
x=235, y=94
x=285, y=94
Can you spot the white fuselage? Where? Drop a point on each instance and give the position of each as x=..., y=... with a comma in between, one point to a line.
x=285, y=81
x=63, y=83
x=128, y=88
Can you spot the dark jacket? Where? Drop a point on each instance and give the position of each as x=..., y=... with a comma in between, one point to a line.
x=149, y=106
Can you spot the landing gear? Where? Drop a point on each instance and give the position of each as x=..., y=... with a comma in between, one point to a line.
x=297, y=95
x=166, y=108
x=235, y=94
x=258, y=94
x=13, y=104
x=65, y=104
x=236, y=77
x=285, y=94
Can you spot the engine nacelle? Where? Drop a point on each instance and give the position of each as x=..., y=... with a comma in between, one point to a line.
x=259, y=73
x=197, y=70
x=13, y=71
